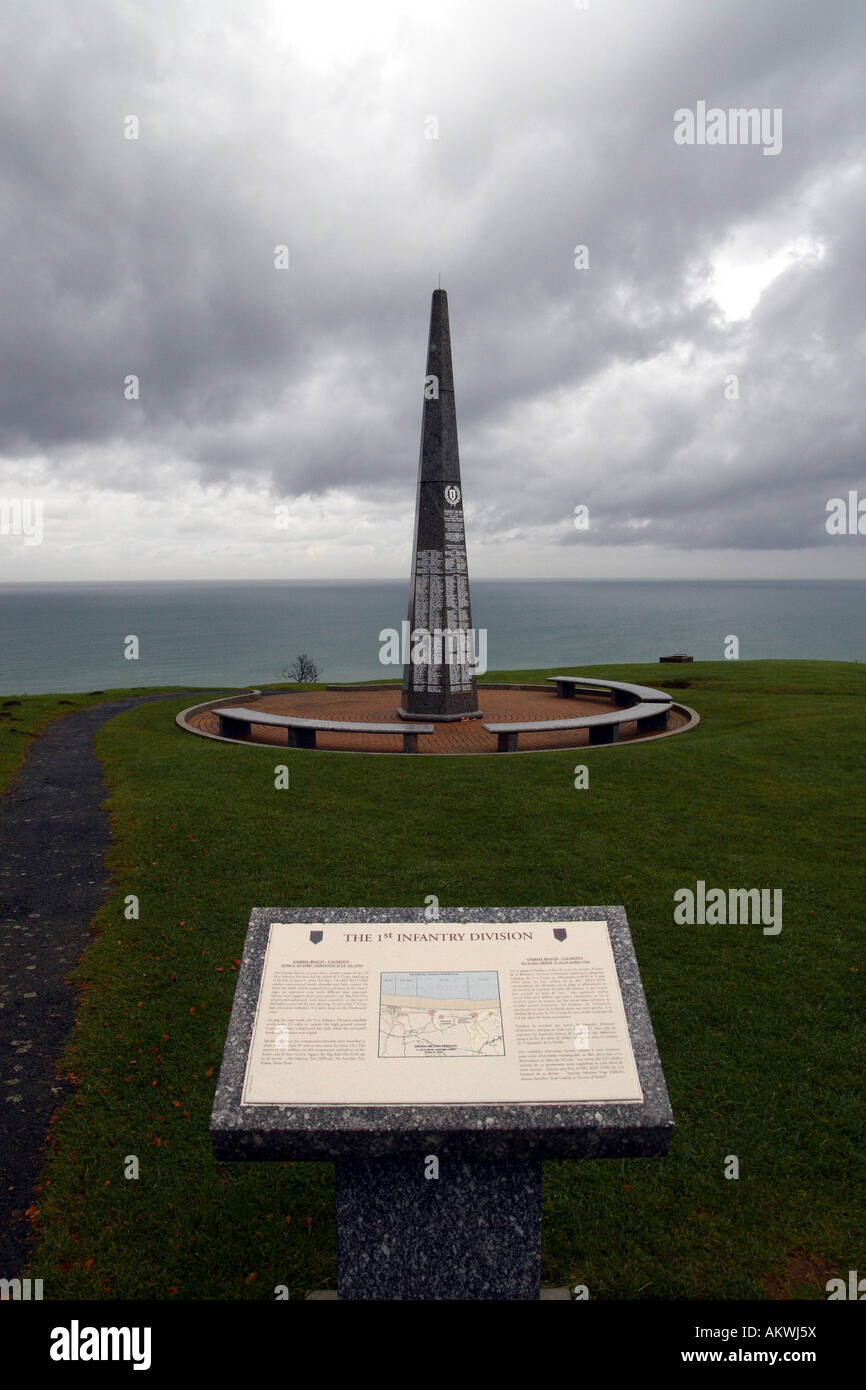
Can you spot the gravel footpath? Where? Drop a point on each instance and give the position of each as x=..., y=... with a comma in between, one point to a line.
x=53, y=839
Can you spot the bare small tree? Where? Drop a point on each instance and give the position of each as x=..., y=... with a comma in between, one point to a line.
x=303, y=670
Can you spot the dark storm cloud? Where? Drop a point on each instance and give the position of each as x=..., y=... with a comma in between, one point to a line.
x=602, y=387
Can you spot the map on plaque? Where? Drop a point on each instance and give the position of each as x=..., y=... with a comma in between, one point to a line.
x=434, y=1013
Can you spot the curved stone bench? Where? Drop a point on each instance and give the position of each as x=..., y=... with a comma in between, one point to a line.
x=622, y=693
x=236, y=722
x=603, y=728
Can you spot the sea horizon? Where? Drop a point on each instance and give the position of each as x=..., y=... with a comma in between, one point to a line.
x=70, y=635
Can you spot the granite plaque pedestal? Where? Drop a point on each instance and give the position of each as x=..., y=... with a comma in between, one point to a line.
x=468, y=1226
x=472, y=1232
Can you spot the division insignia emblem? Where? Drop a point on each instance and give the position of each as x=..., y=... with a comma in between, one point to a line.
x=452, y=494
x=560, y=933
x=316, y=936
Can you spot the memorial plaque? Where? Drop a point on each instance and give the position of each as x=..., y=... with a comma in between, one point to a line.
x=490, y=1039
x=440, y=1015
x=492, y=1033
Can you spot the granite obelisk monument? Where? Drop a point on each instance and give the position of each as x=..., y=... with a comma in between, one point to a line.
x=439, y=678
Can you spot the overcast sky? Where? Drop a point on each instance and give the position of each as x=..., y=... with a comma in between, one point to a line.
x=311, y=126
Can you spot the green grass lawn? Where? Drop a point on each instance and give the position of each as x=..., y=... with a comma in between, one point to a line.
x=758, y=1035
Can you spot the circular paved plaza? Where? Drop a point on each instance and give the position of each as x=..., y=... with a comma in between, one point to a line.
x=377, y=705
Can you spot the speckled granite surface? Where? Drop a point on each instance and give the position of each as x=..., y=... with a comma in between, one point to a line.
x=474, y=1232
x=467, y=1132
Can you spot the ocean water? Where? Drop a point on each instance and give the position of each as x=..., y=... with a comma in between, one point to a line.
x=70, y=637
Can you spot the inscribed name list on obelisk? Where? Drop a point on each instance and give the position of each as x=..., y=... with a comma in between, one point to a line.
x=402, y=1013
x=439, y=681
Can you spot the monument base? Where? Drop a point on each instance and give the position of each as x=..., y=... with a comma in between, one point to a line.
x=440, y=718
x=473, y=1232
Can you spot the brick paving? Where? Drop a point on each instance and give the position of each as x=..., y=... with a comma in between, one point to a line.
x=467, y=736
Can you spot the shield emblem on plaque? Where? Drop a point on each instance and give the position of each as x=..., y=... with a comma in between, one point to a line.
x=316, y=936
x=560, y=933
x=452, y=494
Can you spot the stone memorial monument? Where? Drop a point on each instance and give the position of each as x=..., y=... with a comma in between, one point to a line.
x=439, y=682
x=438, y=1063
